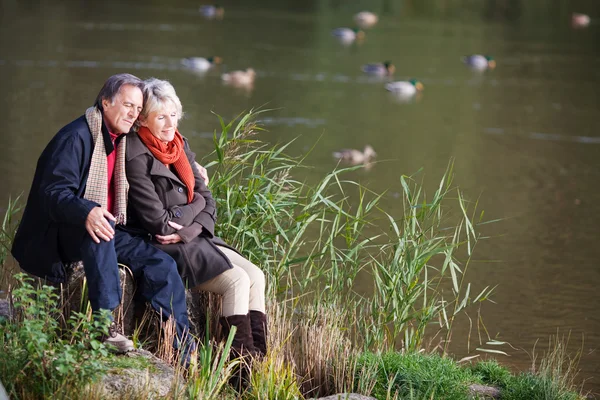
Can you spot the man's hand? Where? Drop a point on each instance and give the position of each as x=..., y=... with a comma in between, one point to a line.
x=98, y=226
x=203, y=172
x=172, y=238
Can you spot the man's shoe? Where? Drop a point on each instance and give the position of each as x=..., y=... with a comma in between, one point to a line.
x=116, y=341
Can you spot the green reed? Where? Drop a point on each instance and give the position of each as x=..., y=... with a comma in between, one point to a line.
x=314, y=240
x=7, y=234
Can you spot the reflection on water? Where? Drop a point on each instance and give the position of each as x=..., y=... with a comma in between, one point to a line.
x=524, y=136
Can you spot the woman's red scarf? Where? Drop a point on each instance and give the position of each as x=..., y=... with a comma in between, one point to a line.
x=171, y=153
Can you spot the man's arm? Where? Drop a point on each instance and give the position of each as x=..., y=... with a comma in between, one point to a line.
x=207, y=217
x=61, y=179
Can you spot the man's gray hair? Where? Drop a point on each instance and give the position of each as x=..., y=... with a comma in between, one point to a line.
x=113, y=85
x=157, y=93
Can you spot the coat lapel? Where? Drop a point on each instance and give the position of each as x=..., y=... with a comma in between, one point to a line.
x=135, y=147
x=161, y=169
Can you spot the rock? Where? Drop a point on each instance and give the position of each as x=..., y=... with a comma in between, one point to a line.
x=72, y=291
x=486, y=391
x=199, y=305
x=134, y=313
x=5, y=309
x=346, y=396
x=154, y=382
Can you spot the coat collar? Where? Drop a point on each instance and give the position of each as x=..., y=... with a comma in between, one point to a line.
x=108, y=144
x=135, y=148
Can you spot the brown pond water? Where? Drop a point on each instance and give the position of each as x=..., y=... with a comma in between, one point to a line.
x=525, y=136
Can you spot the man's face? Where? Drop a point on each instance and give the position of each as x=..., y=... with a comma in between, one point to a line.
x=120, y=115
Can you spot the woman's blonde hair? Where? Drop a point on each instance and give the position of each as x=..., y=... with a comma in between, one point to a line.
x=157, y=92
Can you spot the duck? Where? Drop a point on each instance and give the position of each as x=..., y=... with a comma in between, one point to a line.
x=579, y=20
x=214, y=11
x=479, y=62
x=239, y=78
x=347, y=35
x=201, y=64
x=385, y=68
x=356, y=156
x=366, y=19
x=405, y=88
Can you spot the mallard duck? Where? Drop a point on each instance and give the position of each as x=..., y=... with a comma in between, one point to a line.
x=200, y=64
x=580, y=20
x=405, y=88
x=366, y=19
x=380, y=69
x=479, y=62
x=212, y=11
x=239, y=78
x=347, y=35
x=356, y=156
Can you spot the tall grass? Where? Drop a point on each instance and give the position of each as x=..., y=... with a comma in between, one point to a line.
x=314, y=241
x=7, y=234
x=552, y=375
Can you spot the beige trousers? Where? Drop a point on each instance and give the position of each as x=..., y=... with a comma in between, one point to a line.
x=242, y=287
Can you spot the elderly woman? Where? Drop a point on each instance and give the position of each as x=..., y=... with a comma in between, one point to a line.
x=169, y=200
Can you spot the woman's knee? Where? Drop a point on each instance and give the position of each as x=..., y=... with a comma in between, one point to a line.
x=240, y=279
x=228, y=282
x=257, y=276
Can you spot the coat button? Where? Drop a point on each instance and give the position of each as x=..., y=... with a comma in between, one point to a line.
x=178, y=213
x=180, y=189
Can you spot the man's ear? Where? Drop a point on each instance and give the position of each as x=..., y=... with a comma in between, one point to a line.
x=105, y=103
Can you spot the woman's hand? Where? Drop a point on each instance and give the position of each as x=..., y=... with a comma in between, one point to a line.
x=203, y=172
x=172, y=238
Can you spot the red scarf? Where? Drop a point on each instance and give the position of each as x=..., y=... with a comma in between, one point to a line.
x=171, y=153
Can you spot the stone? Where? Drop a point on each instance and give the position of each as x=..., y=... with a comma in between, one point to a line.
x=5, y=309
x=347, y=396
x=74, y=297
x=153, y=383
x=486, y=391
x=133, y=313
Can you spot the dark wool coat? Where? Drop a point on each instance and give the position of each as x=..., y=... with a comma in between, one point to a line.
x=157, y=196
x=55, y=198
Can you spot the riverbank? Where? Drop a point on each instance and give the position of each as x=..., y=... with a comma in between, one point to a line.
x=314, y=242
x=36, y=366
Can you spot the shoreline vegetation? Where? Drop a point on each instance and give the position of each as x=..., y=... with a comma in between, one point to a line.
x=314, y=242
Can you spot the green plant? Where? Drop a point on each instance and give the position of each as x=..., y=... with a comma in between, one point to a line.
x=41, y=359
x=420, y=376
x=273, y=379
x=529, y=386
x=491, y=373
x=208, y=375
x=314, y=241
x=552, y=378
x=7, y=234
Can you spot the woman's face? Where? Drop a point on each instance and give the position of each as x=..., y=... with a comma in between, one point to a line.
x=162, y=123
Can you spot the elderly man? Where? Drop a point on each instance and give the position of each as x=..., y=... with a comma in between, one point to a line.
x=77, y=206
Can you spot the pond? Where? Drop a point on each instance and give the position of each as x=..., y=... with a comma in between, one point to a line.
x=524, y=137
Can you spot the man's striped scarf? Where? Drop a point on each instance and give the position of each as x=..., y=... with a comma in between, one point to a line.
x=97, y=183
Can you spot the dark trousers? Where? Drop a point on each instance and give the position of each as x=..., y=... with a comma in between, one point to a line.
x=155, y=272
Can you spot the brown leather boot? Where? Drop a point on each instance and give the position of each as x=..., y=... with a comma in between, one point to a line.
x=258, y=323
x=242, y=347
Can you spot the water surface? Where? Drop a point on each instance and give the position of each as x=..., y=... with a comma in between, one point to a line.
x=524, y=137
